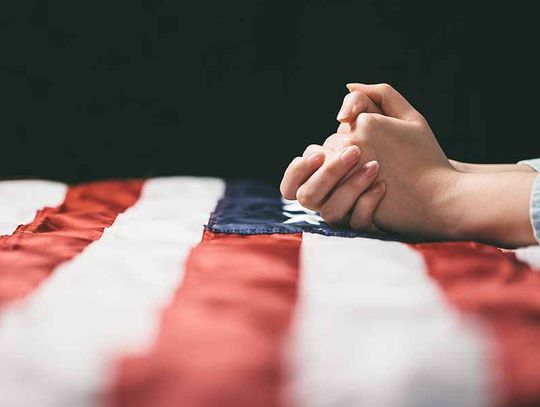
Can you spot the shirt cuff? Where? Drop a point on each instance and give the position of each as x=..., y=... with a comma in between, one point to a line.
x=534, y=164
x=535, y=208
x=535, y=197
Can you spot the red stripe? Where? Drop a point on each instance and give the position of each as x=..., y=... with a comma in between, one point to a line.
x=220, y=342
x=489, y=283
x=33, y=251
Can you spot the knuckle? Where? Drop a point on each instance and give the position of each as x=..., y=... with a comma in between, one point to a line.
x=332, y=141
x=386, y=87
x=362, y=215
x=339, y=141
x=348, y=140
x=305, y=197
x=311, y=149
x=358, y=223
x=333, y=136
x=330, y=215
x=296, y=169
x=366, y=123
x=332, y=170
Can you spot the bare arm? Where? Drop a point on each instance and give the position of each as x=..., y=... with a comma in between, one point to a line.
x=491, y=208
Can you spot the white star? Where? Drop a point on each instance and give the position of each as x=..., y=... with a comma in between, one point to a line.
x=312, y=219
x=294, y=206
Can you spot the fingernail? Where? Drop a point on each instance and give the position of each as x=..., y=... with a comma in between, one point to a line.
x=379, y=188
x=344, y=112
x=315, y=158
x=370, y=168
x=350, y=154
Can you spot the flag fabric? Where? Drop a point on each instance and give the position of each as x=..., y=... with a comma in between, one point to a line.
x=188, y=291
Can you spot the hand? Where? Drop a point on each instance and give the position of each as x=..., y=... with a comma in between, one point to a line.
x=429, y=198
x=426, y=196
x=335, y=182
x=355, y=103
x=414, y=168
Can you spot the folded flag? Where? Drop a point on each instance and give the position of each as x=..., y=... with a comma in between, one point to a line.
x=189, y=291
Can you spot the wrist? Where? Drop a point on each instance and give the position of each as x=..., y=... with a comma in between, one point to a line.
x=449, y=203
x=491, y=208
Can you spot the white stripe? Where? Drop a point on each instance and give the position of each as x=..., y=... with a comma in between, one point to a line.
x=529, y=255
x=372, y=329
x=57, y=347
x=20, y=200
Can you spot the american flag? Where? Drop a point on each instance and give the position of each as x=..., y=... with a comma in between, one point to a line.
x=198, y=292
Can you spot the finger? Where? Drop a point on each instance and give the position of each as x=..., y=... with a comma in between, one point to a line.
x=343, y=199
x=317, y=187
x=312, y=148
x=362, y=214
x=336, y=142
x=378, y=125
x=298, y=172
x=391, y=102
x=344, y=128
x=355, y=103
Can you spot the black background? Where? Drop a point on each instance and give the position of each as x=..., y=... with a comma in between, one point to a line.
x=92, y=89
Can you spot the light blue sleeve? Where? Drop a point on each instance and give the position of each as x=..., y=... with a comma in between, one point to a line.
x=535, y=197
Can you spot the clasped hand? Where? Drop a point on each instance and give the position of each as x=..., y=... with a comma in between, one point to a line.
x=383, y=170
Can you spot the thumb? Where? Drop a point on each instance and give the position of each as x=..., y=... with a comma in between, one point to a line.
x=391, y=102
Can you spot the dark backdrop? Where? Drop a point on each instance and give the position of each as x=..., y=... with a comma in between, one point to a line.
x=94, y=89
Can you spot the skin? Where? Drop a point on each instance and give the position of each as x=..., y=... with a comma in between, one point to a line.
x=426, y=196
x=340, y=186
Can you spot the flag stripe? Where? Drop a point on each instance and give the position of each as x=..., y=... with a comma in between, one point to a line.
x=372, y=329
x=20, y=200
x=61, y=341
x=494, y=285
x=221, y=339
x=57, y=234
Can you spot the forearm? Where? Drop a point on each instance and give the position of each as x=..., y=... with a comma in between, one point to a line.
x=492, y=208
x=489, y=168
